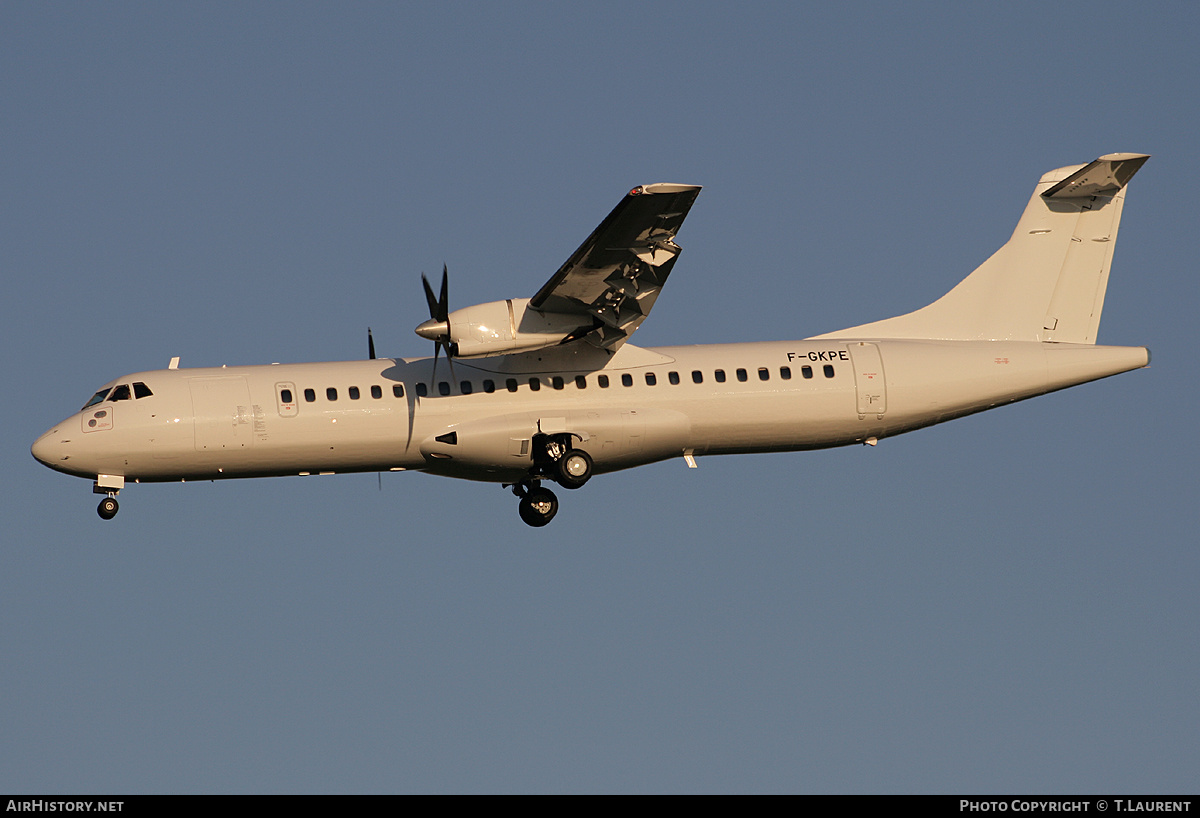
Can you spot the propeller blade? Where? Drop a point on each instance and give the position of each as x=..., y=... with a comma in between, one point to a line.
x=444, y=298
x=429, y=299
x=370, y=345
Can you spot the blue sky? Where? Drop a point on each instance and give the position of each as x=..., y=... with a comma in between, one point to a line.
x=1003, y=603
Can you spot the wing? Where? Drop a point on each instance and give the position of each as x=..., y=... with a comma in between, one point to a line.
x=614, y=278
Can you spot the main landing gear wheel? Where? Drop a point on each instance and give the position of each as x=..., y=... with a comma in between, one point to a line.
x=573, y=469
x=108, y=508
x=538, y=506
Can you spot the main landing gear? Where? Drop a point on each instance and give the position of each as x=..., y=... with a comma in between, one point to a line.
x=554, y=459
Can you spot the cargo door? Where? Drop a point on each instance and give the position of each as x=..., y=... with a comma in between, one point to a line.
x=223, y=415
x=868, y=379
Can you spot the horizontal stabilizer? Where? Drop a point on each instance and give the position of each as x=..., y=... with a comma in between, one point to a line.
x=1109, y=173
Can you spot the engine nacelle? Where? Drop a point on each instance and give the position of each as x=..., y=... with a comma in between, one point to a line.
x=500, y=328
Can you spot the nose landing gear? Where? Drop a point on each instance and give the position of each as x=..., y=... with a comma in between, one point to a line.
x=108, y=485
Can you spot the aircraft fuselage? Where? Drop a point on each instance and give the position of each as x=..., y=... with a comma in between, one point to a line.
x=646, y=405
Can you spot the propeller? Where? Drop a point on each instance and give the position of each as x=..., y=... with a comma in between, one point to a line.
x=437, y=328
x=370, y=345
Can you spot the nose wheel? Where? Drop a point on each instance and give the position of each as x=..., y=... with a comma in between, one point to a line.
x=108, y=508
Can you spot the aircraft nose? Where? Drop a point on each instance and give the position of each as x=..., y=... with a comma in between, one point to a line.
x=47, y=449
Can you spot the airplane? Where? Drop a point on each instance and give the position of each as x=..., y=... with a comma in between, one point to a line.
x=549, y=390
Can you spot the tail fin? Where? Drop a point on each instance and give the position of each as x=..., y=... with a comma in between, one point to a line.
x=1048, y=282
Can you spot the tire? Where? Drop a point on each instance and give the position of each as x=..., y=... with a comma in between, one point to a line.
x=108, y=508
x=573, y=469
x=538, y=507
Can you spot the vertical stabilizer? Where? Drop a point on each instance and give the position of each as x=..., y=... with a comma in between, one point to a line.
x=1048, y=282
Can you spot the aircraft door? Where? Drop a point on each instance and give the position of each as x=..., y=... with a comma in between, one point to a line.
x=222, y=411
x=869, y=380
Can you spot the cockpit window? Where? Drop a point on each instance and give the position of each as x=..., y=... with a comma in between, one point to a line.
x=120, y=393
x=140, y=390
x=96, y=398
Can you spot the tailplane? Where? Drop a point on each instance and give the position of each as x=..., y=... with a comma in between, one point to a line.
x=1048, y=282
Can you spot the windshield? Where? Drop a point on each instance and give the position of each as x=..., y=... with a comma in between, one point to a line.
x=96, y=398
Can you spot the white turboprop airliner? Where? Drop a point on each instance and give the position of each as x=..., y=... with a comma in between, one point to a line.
x=547, y=389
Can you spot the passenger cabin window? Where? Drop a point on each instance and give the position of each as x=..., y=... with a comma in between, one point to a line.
x=331, y=393
x=397, y=390
x=764, y=374
x=422, y=390
x=602, y=381
x=828, y=370
x=697, y=376
x=806, y=371
x=785, y=372
x=719, y=375
x=285, y=395
x=465, y=387
x=556, y=382
x=140, y=390
x=443, y=388
x=742, y=376
x=354, y=394
x=626, y=380
x=510, y=384
x=651, y=379
x=310, y=395
x=673, y=377
x=120, y=393
x=489, y=386
x=535, y=384
x=580, y=382
x=377, y=391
